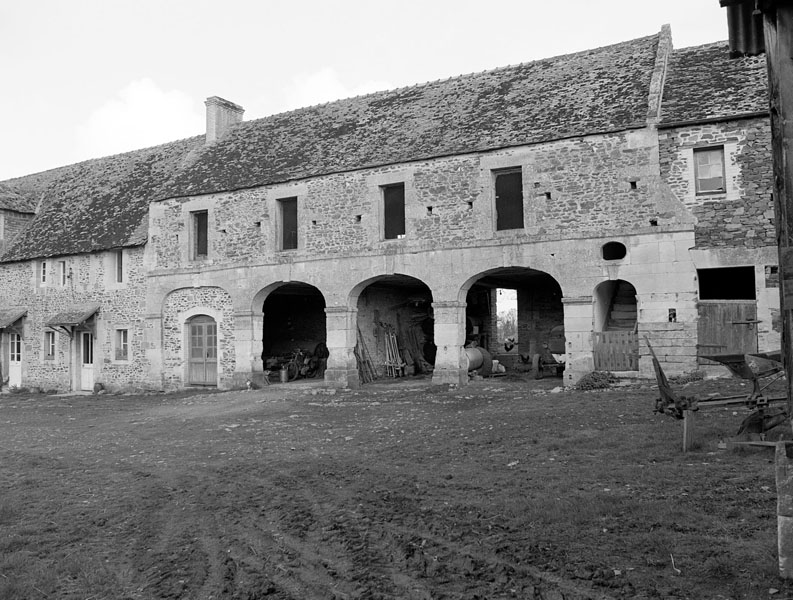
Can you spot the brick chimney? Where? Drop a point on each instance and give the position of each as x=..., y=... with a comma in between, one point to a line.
x=221, y=115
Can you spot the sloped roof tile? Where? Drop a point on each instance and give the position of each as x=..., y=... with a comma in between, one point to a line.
x=97, y=204
x=703, y=82
x=598, y=90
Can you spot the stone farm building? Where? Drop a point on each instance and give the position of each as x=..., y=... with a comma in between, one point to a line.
x=623, y=192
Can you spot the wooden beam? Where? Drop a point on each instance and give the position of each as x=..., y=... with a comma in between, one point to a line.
x=778, y=29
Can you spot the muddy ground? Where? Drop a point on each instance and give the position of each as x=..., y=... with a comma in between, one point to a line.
x=502, y=489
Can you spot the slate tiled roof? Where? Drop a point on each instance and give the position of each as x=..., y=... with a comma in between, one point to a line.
x=12, y=199
x=75, y=315
x=703, y=82
x=9, y=316
x=94, y=205
x=598, y=90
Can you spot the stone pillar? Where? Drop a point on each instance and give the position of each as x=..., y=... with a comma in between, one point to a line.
x=342, y=335
x=153, y=351
x=578, y=321
x=450, y=360
x=248, y=348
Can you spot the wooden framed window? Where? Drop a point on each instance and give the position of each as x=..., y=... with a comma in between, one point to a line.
x=394, y=211
x=62, y=273
x=49, y=345
x=509, y=200
x=709, y=170
x=288, y=212
x=122, y=344
x=118, y=266
x=43, y=272
x=200, y=234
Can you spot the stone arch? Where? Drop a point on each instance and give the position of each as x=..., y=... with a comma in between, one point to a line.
x=287, y=316
x=399, y=305
x=179, y=307
x=539, y=311
x=615, y=345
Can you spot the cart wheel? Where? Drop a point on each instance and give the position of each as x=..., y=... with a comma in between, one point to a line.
x=292, y=371
x=536, y=364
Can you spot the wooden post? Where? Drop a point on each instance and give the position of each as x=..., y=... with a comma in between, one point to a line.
x=688, y=430
x=778, y=30
x=784, y=510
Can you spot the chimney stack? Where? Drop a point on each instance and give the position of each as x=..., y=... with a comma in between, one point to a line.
x=221, y=115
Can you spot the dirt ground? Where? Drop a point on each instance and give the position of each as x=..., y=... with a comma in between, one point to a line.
x=505, y=488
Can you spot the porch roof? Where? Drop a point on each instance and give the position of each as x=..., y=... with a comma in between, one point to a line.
x=74, y=316
x=9, y=316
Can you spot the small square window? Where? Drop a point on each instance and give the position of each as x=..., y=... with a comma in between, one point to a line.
x=709, y=170
x=394, y=211
x=49, y=345
x=122, y=344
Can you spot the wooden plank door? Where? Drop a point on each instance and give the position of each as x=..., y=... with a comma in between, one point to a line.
x=727, y=327
x=203, y=352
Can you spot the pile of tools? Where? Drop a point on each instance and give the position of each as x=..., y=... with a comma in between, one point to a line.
x=395, y=366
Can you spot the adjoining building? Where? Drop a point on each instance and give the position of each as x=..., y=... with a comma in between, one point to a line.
x=622, y=192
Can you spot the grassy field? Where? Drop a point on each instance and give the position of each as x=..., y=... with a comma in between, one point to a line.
x=502, y=489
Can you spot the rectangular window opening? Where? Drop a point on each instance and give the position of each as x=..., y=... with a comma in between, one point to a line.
x=509, y=200
x=122, y=344
x=62, y=273
x=43, y=272
x=729, y=283
x=49, y=345
x=200, y=234
x=118, y=258
x=394, y=211
x=709, y=170
x=288, y=223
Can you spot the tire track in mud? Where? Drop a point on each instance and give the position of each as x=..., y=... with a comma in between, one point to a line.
x=317, y=535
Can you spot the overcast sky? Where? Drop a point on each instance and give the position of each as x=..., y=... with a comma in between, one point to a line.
x=88, y=78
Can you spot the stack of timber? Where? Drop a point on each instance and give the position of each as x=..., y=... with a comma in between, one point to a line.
x=366, y=372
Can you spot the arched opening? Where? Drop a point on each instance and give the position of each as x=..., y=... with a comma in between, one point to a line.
x=537, y=335
x=294, y=329
x=396, y=328
x=615, y=343
x=613, y=251
x=202, y=351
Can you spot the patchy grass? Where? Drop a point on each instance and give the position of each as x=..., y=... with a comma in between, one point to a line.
x=497, y=490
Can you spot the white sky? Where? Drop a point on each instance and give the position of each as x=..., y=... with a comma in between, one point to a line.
x=88, y=78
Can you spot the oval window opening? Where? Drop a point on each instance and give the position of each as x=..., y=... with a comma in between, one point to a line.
x=614, y=251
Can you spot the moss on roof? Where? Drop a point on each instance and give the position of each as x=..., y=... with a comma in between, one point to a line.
x=703, y=82
x=95, y=205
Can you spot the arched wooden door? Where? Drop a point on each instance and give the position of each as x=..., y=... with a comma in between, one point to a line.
x=202, y=351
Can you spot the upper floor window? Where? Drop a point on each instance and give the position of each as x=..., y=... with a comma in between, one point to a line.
x=509, y=200
x=63, y=275
x=288, y=210
x=709, y=170
x=394, y=211
x=43, y=274
x=118, y=266
x=200, y=234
